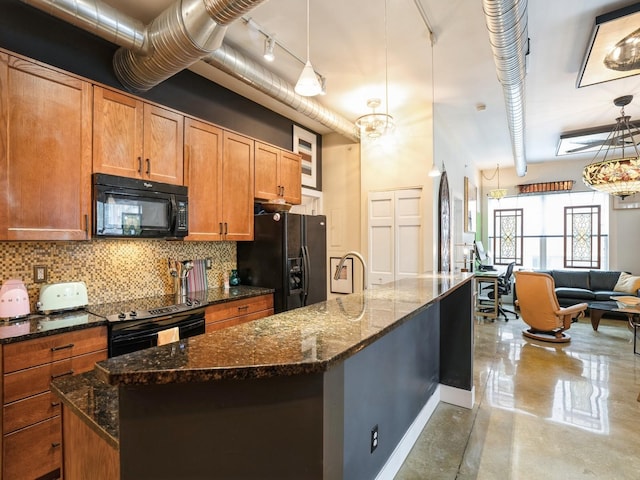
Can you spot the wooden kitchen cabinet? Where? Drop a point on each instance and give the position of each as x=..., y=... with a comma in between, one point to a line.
x=278, y=174
x=136, y=139
x=45, y=152
x=203, y=177
x=31, y=426
x=219, y=173
x=227, y=314
x=237, y=186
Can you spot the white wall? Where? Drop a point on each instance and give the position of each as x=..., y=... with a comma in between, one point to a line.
x=403, y=163
x=624, y=226
x=341, y=202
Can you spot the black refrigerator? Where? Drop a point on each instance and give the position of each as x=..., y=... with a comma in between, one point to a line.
x=288, y=254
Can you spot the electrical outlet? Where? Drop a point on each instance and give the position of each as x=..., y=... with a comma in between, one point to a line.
x=39, y=273
x=374, y=438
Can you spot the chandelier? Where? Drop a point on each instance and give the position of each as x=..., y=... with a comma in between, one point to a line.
x=617, y=176
x=496, y=193
x=375, y=124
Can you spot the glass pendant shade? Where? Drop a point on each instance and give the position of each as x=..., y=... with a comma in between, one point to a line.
x=617, y=176
x=308, y=84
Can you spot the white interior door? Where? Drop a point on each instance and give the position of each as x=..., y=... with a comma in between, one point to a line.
x=408, y=230
x=381, y=237
x=395, y=230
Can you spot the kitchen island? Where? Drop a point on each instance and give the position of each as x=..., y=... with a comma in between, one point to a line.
x=336, y=390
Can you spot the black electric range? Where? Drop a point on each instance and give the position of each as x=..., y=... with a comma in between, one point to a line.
x=135, y=324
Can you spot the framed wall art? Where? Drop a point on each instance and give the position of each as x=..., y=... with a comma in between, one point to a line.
x=305, y=144
x=344, y=284
x=470, y=205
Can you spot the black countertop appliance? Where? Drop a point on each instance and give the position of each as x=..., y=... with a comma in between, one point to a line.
x=288, y=254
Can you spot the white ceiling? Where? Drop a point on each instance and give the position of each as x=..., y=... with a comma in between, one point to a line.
x=348, y=47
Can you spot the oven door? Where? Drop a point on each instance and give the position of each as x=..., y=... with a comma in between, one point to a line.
x=131, y=336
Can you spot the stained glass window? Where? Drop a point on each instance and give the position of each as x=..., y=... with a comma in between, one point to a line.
x=507, y=238
x=582, y=237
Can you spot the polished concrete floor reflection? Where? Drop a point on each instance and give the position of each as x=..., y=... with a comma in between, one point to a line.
x=542, y=411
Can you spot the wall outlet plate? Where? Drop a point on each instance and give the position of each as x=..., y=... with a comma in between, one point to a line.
x=40, y=273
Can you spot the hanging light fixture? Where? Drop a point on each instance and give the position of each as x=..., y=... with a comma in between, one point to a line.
x=617, y=176
x=308, y=84
x=496, y=193
x=375, y=124
x=435, y=171
x=269, y=44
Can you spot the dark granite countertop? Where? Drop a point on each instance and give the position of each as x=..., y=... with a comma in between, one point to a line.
x=304, y=340
x=38, y=325
x=35, y=326
x=92, y=400
x=307, y=339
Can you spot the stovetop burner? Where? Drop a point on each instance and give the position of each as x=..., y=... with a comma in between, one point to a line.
x=144, y=308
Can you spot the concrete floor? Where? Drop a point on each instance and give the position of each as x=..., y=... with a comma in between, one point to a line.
x=542, y=411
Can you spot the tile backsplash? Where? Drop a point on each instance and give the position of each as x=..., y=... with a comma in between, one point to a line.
x=114, y=270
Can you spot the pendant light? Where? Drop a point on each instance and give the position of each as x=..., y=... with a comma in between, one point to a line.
x=435, y=171
x=375, y=124
x=308, y=84
x=619, y=176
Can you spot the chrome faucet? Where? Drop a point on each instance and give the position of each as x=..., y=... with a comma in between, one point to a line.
x=336, y=276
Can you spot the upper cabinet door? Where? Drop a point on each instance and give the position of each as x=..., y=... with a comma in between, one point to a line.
x=45, y=151
x=136, y=139
x=267, y=165
x=278, y=174
x=291, y=177
x=117, y=133
x=163, y=145
x=203, y=177
x=237, y=187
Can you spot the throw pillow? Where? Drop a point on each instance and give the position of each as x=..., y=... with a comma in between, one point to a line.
x=627, y=283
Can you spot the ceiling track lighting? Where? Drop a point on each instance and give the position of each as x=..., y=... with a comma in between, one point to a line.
x=617, y=176
x=374, y=124
x=308, y=84
x=269, y=44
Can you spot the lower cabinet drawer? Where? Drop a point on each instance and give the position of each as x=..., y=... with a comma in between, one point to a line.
x=33, y=452
x=235, y=308
x=32, y=381
x=219, y=325
x=31, y=410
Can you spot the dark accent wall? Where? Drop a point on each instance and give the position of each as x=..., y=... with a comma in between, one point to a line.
x=387, y=384
x=456, y=338
x=37, y=35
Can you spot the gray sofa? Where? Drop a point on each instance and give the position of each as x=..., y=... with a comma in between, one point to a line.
x=578, y=286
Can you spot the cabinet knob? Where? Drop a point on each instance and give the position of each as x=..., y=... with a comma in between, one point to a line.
x=220, y=228
x=148, y=166
x=62, y=347
x=139, y=164
x=55, y=444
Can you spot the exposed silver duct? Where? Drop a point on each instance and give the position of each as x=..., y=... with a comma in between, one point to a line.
x=508, y=33
x=180, y=36
x=102, y=20
x=98, y=18
x=252, y=73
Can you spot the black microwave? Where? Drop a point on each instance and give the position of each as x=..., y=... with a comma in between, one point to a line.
x=130, y=207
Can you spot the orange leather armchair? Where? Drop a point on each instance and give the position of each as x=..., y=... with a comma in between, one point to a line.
x=540, y=310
